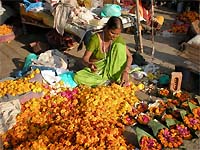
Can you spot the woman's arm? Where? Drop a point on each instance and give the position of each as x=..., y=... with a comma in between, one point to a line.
x=87, y=62
x=125, y=73
x=129, y=60
x=86, y=58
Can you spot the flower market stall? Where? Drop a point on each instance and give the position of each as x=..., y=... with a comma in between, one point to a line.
x=43, y=108
x=42, y=111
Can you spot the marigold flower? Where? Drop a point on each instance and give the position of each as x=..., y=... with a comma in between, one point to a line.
x=128, y=120
x=5, y=29
x=170, y=138
x=176, y=114
x=194, y=101
x=172, y=102
x=142, y=107
x=134, y=112
x=143, y=119
x=166, y=116
x=184, y=97
x=164, y=92
x=157, y=111
x=196, y=112
x=183, y=131
x=149, y=143
x=192, y=122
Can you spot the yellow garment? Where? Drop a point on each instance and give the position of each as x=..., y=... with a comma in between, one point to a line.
x=160, y=20
x=86, y=3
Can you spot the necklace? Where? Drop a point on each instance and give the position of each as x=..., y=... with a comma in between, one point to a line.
x=104, y=49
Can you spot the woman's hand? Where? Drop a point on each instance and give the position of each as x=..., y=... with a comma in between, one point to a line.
x=125, y=78
x=93, y=67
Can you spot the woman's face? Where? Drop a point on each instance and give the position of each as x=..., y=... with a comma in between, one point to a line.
x=113, y=33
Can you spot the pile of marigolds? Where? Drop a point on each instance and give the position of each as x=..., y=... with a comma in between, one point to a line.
x=95, y=118
x=186, y=18
x=79, y=118
x=189, y=16
x=5, y=29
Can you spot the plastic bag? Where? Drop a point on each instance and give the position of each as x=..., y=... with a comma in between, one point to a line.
x=28, y=61
x=1, y=9
x=68, y=79
x=97, y=3
x=111, y=10
x=32, y=6
x=150, y=68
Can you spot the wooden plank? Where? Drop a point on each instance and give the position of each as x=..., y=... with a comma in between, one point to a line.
x=6, y=64
x=16, y=47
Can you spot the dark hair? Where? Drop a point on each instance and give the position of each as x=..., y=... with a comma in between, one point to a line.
x=146, y=4
x=114, y=23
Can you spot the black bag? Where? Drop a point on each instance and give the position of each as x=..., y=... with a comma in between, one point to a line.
x=138, y=59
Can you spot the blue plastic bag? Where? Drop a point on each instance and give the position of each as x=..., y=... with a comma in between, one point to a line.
x=30, y=6
x=111, y=10
x=27, y=64
x=68, y=79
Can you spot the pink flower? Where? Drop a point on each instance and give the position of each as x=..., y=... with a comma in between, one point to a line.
x=145, y=119
x=193, y=121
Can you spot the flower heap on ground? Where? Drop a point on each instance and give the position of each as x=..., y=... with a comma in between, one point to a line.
x=21, y=85
x=5, y=29
x=82, y=118
x=184, y=21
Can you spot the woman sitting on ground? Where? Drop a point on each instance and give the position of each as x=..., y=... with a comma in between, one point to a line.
x=106, y=57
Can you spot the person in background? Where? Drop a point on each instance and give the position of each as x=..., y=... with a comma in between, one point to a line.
x=146, y=25
x=106, y=58
x=145, y=12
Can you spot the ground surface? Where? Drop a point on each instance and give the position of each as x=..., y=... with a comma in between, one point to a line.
x=166, y=48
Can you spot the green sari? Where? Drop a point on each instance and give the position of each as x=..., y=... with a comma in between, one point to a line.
x=109, y=67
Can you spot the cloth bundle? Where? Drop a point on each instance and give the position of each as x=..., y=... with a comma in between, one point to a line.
x=52, y=59
x=62, y=13
x=8, y=112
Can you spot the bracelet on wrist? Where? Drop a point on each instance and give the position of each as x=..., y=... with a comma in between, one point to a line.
x=126, y=71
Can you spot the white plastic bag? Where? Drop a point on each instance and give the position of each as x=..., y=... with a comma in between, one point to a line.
x=150, y=68
x=97, y=3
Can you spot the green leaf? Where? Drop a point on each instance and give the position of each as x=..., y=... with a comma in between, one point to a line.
x=156, y=126
x=192, y=106
x=170, y=122
x=183, y=113
x=140, y=133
